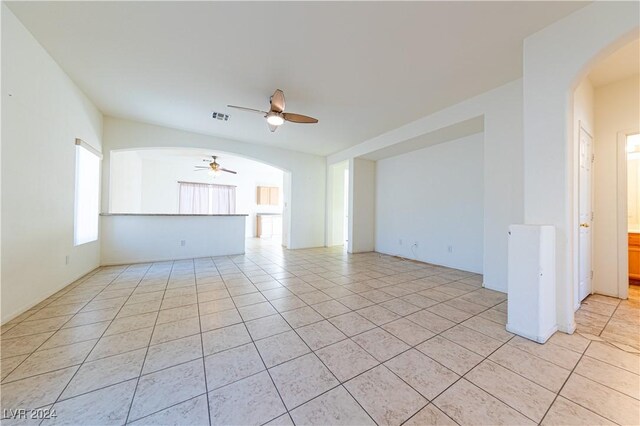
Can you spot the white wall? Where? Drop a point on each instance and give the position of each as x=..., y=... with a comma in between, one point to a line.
x=583, y=109
x=308, y=172
x=617, y=110
x=134, y=239
x=503, y=165
x=433, y=196
x=43, y=113
x=555, y=59
x=126, y=183
x=362, y=193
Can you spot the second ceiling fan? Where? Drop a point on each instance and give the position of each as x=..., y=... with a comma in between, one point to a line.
x=213, y=167
x=276, y=115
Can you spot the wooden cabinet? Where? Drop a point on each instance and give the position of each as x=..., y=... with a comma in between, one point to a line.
x=268, y=195
x=268, y=225
x=634, y=257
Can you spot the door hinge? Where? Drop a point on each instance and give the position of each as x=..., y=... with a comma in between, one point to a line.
x=591, y=274
x=593, y=158
x=592, y=216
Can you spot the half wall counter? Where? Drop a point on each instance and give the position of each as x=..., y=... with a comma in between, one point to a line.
x=140, y=237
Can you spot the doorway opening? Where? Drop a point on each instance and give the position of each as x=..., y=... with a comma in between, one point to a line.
x=632, y=150
x=174, y=181
x=338, y=205
x=606, y=207
x=585, y=213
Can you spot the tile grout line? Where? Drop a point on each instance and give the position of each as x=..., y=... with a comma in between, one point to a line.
x=307, y=260
x=312, y=351
x=383, y=362
x=54, y=332
x=371, y=368
x=204, y=367
x=565, y=382
x=255, y=347
x=96, y=343
x=462, y=376
x=133, y=397
x=340, y=384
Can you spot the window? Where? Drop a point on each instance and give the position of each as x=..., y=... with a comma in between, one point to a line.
x=203, y=198
x=87, y=196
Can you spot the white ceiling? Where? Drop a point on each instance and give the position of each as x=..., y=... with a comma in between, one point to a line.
x=622, y=63
x=361, y=68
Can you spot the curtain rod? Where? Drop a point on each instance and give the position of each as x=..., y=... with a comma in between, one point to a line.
x=209, y=184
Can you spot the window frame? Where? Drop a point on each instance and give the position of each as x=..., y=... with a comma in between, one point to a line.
x=77, y=241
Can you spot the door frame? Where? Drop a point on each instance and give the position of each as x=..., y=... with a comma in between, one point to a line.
x=576, y=288
x=622, y=207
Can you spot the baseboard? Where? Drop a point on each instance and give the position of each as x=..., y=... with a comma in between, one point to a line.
x=136, y=262
x=540, y=338
x=31, y=305
x=567, y=328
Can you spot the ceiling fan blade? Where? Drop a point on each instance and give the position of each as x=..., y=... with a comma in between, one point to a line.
x=247, y=109
x=202, y=167
x=277, y=101
x=272, y=127
x=298, y=118
x=228, y=171
x=199, y=170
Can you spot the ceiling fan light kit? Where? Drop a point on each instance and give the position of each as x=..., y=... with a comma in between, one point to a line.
x=214, y=168
x=275, y=119
x=276, y=115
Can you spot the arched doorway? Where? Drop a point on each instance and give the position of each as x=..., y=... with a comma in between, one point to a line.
x=156, y=181
x=555, y=60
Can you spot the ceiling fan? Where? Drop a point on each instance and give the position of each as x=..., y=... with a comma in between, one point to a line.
x=213, y=167
x=276, y=115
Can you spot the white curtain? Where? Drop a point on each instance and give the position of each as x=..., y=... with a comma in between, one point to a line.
x=194, y=198
x=223, y=199
x=200, y=198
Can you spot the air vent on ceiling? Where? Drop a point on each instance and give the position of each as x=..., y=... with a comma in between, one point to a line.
x=220, y=116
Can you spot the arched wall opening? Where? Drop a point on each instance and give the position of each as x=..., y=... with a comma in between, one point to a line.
x=304, y=174
x=555, y=60
x=606, y=111
x=149, y=181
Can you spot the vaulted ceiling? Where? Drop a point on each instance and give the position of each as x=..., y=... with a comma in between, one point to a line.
x=361, y=68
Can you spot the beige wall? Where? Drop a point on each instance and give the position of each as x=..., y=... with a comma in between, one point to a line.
x=617, y=109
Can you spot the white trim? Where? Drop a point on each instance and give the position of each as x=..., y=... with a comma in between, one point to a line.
x=89, y=148
x=540, y=338
x=622, y=208
x=568, y=328
x=575, y=229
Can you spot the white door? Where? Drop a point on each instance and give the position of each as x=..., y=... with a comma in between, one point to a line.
x=586, y=215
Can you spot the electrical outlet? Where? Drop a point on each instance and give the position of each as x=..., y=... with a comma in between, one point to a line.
x=66, y=260
x=183, y=243
x=450, y=249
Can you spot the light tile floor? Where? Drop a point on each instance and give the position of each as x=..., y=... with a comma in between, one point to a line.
x=309, y=337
